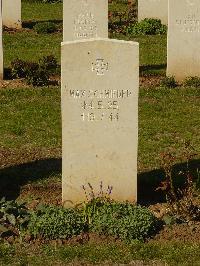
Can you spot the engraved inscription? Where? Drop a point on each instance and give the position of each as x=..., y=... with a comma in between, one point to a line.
x=100, y=94
x=190, y=24
x=85, y=26
x=99, y=105
x=100, y=67
x=92, y=117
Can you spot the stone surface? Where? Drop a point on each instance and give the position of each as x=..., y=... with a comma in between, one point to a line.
x=183, y=39
x=85, y=19
x=100, y=79
x=12, y=13
x=1, y=43
x=153, y=9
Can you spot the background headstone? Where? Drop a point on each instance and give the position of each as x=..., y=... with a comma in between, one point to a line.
x=12, y=13
x=183, y=55
x=85, y=19
x=100, y=80
x=153, y=9
x=1, y=43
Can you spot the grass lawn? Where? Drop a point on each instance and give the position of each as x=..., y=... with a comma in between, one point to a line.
x=136, y=254
x=31, y=118
x=30, y=142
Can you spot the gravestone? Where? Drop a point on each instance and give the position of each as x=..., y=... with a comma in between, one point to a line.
x=153, y=9
x=1, y=43
x=183, y=55
x=100, y=80
x=12, y=13
x=85, y=19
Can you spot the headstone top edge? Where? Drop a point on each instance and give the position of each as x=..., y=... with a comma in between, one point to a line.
x=100, y=39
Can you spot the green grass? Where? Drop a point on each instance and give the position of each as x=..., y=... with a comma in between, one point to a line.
x=30, y=124
x=30, y=46
x=30, y=117
x=167, y=117
x=37, y=11
x=34, y=46
x=149, y=254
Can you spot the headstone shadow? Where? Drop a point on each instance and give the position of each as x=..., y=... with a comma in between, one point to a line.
x=148, y=182
x=30, y=24
x=13, y=177
x=152, y=68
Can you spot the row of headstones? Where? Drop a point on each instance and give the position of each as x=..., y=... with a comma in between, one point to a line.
x=183, y=19
x=100, y=81
x=11, y=13
x=183, y=27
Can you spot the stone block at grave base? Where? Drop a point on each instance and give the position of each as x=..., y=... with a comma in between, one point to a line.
x=183, y=53
x=12, y=13
x=153, y=9
x=85, y=19
x=100, y=80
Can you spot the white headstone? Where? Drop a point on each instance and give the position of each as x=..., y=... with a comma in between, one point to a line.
x=153, y=9
x=85, y=19
x=1, y=43
x=12, y=13
x=100, y=80
x=183, y=56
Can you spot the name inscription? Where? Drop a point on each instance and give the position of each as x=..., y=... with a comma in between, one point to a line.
x=190, y=24
x=98, y=105
x=85, y=26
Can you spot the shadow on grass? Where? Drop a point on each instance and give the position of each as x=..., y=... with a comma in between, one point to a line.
x=12, y=178
x=7, y=74
x=149, y=181
x=153, y=69
x=30, y=24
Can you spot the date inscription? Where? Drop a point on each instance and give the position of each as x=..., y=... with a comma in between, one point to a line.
x=99, y=105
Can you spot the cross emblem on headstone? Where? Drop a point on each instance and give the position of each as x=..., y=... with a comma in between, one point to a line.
x=100, y=67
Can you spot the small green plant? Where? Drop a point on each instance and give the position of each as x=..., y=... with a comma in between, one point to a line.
x=45, y=27
x=36, y=74
x=13, y=217
x=148, y=26
x=53, y=222
x=125, y=221
x=168, y=82
x=93, y=202
x=122, y=220
x=192, y=82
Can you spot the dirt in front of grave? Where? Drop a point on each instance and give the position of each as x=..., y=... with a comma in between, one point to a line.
x=51, y=193
x=145, y=82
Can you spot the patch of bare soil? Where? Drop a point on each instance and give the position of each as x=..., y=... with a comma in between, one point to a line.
x=50, y=194
x=13, y=83
x=145, y=82
x=150, y=81
x=13, y=30
x=184, y=232
x=179, y=233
